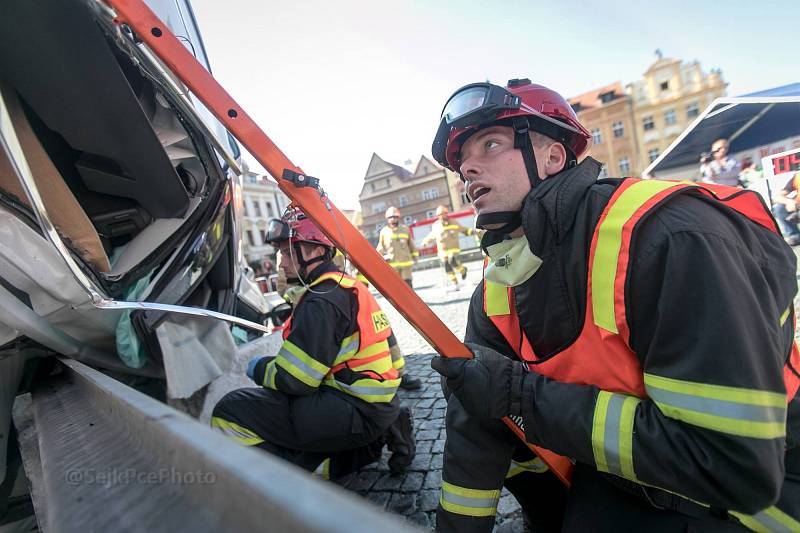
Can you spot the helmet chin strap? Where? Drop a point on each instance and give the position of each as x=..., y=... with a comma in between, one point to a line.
x=511, y=220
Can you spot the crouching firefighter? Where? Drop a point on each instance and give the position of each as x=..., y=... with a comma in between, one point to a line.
x=326, y=401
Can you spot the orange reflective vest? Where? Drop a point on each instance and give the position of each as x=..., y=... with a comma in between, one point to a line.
x=601, y=355
x=366, y=351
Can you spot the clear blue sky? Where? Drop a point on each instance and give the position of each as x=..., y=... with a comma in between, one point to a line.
x=331, y=82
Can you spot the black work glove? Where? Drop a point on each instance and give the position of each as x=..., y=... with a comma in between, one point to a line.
x=488, y=385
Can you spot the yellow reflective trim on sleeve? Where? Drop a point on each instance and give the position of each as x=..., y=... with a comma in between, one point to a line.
x=609, y=243
x=468, y=502
x=269, y=375
x=324, y=469
x=736, y=411
x=496, y=299
x=769, y=520
x=299, y=364
x=400, y=264
x=535, y=465
x=785, y=315
x=612, y=433
x=235, y=431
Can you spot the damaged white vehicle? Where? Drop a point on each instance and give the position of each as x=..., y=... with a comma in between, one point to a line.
x=116, y=188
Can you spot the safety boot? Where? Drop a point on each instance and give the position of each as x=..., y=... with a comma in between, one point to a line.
x=410, y=383
x=401, y=442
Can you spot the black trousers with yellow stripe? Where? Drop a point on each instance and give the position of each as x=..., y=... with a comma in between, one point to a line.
x=480, y=457
x=321, y=432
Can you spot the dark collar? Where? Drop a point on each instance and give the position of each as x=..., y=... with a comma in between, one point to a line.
x=323, y=268
x=554, y=202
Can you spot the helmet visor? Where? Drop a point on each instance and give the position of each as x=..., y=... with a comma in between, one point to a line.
x=277, y=231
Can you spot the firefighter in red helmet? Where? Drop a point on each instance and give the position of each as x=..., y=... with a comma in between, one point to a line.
x=326, y=401
x=642, y=328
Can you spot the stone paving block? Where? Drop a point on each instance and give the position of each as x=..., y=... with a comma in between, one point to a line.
x=431, y=424
x=438, y=446
x=426, y=403
x=413, y=482
x=420, y=519
x=443, y=434
x=422, y=461
x=379, y=498
x=363, y=481
x=404, y=504
x=436, y=414
x=507, y=505
x=422, y=414
x=388, y=482
x=433, y=480
x=510, y=526
x=424, y=446
x=431, y=393
x=440, y=403
x=437, y=461
x=428, y=500
x=428, y=434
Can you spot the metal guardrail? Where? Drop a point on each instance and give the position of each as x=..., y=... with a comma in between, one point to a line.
x=114, y=459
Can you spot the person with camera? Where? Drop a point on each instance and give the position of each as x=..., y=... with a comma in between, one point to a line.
x=717, y=167
x=784, y=208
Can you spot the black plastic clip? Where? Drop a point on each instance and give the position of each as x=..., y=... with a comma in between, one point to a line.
x=300, y=180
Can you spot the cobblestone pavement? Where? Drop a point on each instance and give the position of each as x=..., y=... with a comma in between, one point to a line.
x=416, y=493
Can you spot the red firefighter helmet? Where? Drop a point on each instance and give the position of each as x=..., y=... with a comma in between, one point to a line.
x=479, y=105
x=295, y=226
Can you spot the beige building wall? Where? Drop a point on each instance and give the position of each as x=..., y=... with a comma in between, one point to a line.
x=263, y=200
x=667, y=99
x=416, y=194
x=607, y=113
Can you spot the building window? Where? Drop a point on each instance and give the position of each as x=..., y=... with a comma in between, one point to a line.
x=670, y=117
x=597, y=137
x=664, y=85
x=607, y=97
x=251, y=237
x=407, y=220
x=402, y=201
x=379, y=227
x=430, y=194
x=624, y=166
x=252, y=178
x=619, y=129
x=257, y=209
x=692, y=110
x=263, y=234
x=652, y=154
x=430, y=214
x=603, y=171
x=270, y=212
x=648, y=123
x=378, y=207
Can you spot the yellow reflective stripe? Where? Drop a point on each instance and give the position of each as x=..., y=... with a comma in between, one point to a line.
x=452, y=250
x=400, y=264
x=785, y=315
x=397, y=236
x=269, y=375
x=415, y=254
x=324, y=469
x=736, y=411
x=451, y=227
x=468, y=502
x=235, y=431
x=398, y=363
x=609, y=242
x=535, y=465
x=340, y=278
x=612, y=433
x=348, y=349
x=769, y=520
x=496, y=299
x=369, y=390
x=300, y=365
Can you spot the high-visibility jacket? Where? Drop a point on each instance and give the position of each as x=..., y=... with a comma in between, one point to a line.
x=362, y=366
x=601, y=355
x=446, y=235
x=397, y=246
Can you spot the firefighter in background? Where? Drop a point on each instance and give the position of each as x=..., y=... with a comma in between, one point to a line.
x=446, y=233
x=396, y=245
x=326, y=401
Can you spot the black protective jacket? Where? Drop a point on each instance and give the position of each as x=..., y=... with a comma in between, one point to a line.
x=704, y=294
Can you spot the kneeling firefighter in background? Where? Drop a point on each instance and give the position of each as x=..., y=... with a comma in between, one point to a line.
x=326, y=401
